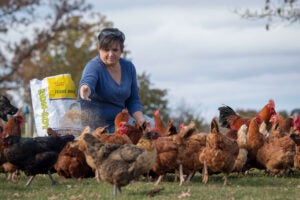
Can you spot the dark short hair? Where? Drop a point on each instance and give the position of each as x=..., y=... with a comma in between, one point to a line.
x=109, y=35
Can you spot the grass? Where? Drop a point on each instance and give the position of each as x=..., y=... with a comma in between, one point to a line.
x=255, y=185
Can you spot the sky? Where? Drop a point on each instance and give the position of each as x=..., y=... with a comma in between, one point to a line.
x=206, y=56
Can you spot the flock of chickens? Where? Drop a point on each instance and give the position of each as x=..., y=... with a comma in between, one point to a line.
x=266, y=141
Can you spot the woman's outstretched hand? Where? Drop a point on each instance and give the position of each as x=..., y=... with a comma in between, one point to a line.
x=85, y=92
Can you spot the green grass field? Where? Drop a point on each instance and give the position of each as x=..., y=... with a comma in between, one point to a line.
x=254, y=185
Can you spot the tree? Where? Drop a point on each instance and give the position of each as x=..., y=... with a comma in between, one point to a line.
x=152, y=98
x=68, y=53
x=247, y=113
x=283, y=10
x=61, y=40
x=155, y=98
x=184, y=113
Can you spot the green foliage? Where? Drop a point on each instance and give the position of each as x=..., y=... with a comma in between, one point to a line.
x=247, y=113
x=152, y=98
x=184, y=113
x=67, y=53
x=284, y=113
x=155, y=98
x=63, y=44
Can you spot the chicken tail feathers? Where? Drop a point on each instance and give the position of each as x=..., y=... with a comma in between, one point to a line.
x=67, y=138
x=90, y=139
x=225, y=112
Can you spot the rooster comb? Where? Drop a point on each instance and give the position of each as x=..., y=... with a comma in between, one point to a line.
x=271, y=103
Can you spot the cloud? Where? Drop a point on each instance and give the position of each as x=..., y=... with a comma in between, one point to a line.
x=205, y=54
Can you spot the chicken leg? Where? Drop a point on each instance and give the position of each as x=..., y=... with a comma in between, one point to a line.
x=51, y=178
x=188, y=180
x=32, y=177
x=29, y=180
x=159, y=179
x=116, y=189
x=225, y=179
x=181, y=175
x=204, y=173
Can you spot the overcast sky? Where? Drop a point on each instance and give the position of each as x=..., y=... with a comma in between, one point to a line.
x=206, y=55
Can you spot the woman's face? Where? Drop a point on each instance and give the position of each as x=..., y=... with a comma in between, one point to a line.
x=111, y=55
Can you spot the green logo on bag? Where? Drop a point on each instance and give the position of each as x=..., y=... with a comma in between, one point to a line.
x=45, y=114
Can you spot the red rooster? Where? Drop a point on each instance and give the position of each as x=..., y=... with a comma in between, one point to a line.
x=297, y=124
x=12, y=127
x=228, y=118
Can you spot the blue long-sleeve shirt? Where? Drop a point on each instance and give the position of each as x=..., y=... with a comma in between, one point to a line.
x=108, y=98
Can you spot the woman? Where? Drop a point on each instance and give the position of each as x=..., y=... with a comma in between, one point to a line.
x=109, y=84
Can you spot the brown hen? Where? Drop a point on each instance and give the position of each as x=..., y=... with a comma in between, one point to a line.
x=286, y=125
x=193, y=147
x=219, y=154
x=255, y=140
x=171, y=153
x=71, y=162
x=118, y=137
x=277, y=155
x=122, y=116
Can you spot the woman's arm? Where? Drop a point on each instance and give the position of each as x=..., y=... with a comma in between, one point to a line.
x=89, y=79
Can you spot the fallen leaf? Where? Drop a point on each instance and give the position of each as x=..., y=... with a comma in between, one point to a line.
x=184, y=194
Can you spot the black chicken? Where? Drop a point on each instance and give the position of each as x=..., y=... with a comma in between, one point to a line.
x=6, y=108
x=34, y=155
x=296, y=138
